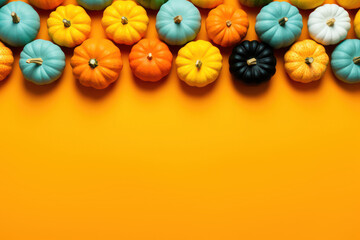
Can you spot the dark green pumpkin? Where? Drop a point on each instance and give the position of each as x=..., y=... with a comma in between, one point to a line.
x=252, y=62
x=152, y=4
x=255, y=3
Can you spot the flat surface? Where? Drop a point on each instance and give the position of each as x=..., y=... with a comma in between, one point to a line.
x=165, y=161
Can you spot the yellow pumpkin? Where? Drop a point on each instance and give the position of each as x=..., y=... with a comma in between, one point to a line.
x=199, y=63
x=6, y=61
x=349, y=4
x=69, y=25
x=207, y=3
x=306, y=61
x=357, y=24
x=307, y=4
x=125, y=22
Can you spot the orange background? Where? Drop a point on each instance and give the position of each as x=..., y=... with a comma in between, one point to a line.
x=164, y=161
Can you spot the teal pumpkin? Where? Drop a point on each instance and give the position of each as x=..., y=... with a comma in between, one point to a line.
x=345, y=61
x=94, y=4
x=3, y=2
x=152, y=4
x=42, y=62
x=255, y=3
x=279, y=24
x=178, y=22
x=19, y=23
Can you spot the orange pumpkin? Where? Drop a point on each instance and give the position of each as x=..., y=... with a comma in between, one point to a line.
x=150, y=60
x=227, y=25
x=6, y=61
x=46, y=4
x=96, y=63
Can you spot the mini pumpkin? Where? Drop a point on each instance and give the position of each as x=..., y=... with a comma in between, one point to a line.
x=279, y=24
x=152, y=4
x=96, y=63
x=252, y=62
x=6, y=61
x=19, y=23
x=207, y=3
x=199, y=63
x=150, y=60
x=345, y=61
x=255, y=3
x=42, y=62
x=227, y=25
x=94, y=4
x=178, y=22
x=306, y=61
x=329, y=24
x=3, y=2
x=307, y=4
x=69, y=25
x=357, y=24
x=349, y=4
x=46, y=4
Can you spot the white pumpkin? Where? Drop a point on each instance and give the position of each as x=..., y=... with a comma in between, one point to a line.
x=329, y=24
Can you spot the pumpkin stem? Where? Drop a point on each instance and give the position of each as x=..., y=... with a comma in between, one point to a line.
x=178, y=19
x=124, y=20
x=356, y=60
x=15, y=17
x=198, y=64
x=283, y=21
x=93, y=63
x=331, y=22
x=150, y=56
x=251, y=62
x=228, y=23
x=309, y=60
x=38, y=61
x=67, y=23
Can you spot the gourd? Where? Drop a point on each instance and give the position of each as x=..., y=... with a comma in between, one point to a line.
x=226, y=25
x=94, y=4
x=252, y=62
x=279, y=24
x=306, y=61
x=199, y=63
x=42, y=62
x=125, y=22
x=329, y=24
x=69, y=25
x=96, y=63
x=152, y=4
x=6, y=61
x=349, y=4
x=46, y=4
x=345, y=61
x=307, y=4
x=150, y=60
x=207, y=3
x=3, y=2
x=255, y=3
x=357, y=24
x=19, y=23
x=178, y=22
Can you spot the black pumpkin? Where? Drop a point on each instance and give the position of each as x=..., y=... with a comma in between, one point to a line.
x=252, y=62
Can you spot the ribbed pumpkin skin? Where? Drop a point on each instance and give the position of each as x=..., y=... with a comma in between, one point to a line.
x=349, y=4
x=227, y=25
x=255, y=3
x=3, y=2
x=46, y=4
x=306, y=61
x=152, y=4
x=6, y=61
x=307, y=4
x=357, y=24
x=207, y=3
x=150, y=60
x=108, y=63
x=94, y=4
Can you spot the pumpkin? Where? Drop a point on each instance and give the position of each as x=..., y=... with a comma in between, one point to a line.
x=357, y=24
x=150, y=60
x=199, y=63
x=6, y=61
x=125, y=22
x=42, y=62
x=46, y=4
x=152, y=4
x=349, y=4
x=94, y=4
x=307, y=4
x=3, y=2
x=19, y=23
x=345, y=61
x=306, y=61
x=227, y=25
x=178, y=22
x=69, y=25
x=207, y=3
x=329, y=24
x=96, y=63
x=255, y=3
x=279, y=24
x=252, y=62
